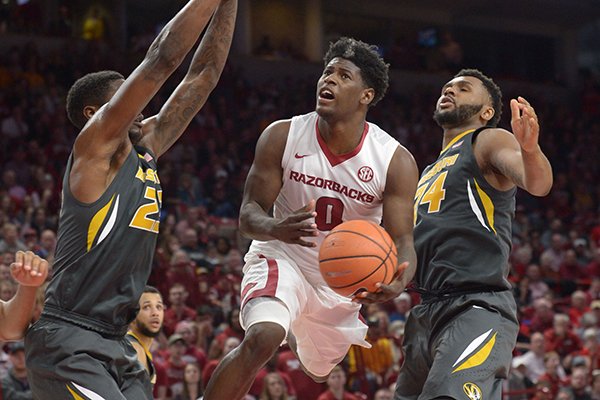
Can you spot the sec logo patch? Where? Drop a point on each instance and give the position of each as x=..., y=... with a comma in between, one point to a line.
x=472, y=391
x=365, y=174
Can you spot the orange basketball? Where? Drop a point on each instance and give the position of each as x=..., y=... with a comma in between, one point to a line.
x=356, y=255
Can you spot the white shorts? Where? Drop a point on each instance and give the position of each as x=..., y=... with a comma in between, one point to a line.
x=324, y=323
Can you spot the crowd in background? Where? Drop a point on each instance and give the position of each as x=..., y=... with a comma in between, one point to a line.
x=555, y=262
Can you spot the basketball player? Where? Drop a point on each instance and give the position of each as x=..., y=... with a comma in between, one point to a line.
x=317, y=170
x=146, y=326
x=459, y=341
x=30, y=272
x=110, y=212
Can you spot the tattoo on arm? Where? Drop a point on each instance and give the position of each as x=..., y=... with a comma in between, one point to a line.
x=202, y=76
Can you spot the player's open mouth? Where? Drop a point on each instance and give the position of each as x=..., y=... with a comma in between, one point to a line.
x=326, y=94
x=446, y=101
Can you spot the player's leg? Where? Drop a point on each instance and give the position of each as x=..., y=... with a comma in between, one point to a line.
x=271, y=298
x=67, y=362
x=417, y=358
x=472, y=355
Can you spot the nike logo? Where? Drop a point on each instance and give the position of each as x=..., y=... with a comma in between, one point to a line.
x=301, y=156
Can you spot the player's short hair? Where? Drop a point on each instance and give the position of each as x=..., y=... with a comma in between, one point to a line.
x=493, y=90
x=373, y=69
x=90, y=90
x=151, y=289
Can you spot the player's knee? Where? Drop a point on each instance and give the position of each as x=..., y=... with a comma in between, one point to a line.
x=262, y=340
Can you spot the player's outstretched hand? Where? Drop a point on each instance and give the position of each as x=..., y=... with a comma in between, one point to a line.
x=385, y=292
x=298, y=225
x=29, y=269
x=524, y=123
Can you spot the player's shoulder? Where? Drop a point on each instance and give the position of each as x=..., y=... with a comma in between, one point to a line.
x=380, y=136
x=490, y=140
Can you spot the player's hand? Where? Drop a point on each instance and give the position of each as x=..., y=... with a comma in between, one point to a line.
x=296, y=226
x=384, y=292
x=29, y=269
x=524, y=124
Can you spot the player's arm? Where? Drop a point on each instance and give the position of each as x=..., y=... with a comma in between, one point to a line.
x=108, y=128
x=398, y=220
x=262, y=186
x=30, y=271
x=516, y=159
x=201, y=78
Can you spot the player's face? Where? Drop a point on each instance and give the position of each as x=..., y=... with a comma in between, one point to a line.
x=150, y=317
x=340, y=89
x=461, y=99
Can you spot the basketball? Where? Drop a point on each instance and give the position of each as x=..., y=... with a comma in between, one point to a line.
x=356, y=255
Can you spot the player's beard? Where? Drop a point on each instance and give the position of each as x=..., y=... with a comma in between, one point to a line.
x=144, y=330
x=460, y=114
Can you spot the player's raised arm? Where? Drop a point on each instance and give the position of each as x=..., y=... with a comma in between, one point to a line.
x=30, y=271
x=398, y=220
x=108, y=127
x=262, y=186
x=202, y=77
x=518, y=156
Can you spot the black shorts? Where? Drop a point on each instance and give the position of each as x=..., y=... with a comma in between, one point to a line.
x=460, y=347
x=65, y=361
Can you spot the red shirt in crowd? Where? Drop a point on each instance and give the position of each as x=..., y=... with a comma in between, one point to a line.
x=328, y=395
x=563, y=345
x=172, y=318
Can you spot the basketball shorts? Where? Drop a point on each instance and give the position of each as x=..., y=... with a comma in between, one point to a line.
x=65, y=361
x=459, y=348
x=324, y=323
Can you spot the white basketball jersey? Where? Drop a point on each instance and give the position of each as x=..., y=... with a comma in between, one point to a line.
x=345, y=187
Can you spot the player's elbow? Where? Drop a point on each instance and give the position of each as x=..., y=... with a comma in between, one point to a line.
x=540, y=189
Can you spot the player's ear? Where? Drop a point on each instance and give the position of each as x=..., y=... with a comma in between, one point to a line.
x=89, y=111
x=487, y=113
x=367, y=96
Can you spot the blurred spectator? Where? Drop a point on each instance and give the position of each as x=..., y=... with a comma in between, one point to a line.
x=10, y=242
x=336, y=382
x=177, y=310
x=274, y=388
x=579, y=384
x=229, y=345
x=543, y=315
x=531, y=287
x=306, y=388
x=15, y=385
x=595, y=392
x=368, y=368
x=517, y=385
x=534, y=358
x=561, y=338
x=384, y=394
x=192, y=383
x=174, y=364
x=402, y=306
x=579, y=306
x=188, y=331
x=554, y=374
x=272, y=366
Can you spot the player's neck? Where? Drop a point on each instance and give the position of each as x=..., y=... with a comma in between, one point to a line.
x=145, y=341
x=451, y=133
x=341, y=136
